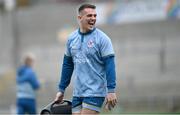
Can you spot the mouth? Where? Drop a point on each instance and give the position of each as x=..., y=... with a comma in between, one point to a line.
x=91, y=23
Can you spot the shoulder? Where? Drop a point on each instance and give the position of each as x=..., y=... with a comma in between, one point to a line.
x=102, y=36
x=73, y=35
x=101, y=33
x=23, y=70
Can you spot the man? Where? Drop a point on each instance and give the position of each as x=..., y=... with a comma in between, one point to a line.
x=27, y=83
x=90, y=55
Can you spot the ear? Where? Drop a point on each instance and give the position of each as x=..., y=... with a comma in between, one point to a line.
x=79, y=17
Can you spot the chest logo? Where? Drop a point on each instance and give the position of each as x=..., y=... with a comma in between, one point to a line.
x=90, y=43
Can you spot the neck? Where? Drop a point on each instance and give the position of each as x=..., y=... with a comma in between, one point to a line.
x=84, y=30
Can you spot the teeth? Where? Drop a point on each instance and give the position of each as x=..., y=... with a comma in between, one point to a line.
x=91, y=23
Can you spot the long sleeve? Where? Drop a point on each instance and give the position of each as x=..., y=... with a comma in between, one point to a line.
x=110, y=73
x=34, y=81
x=67, y=70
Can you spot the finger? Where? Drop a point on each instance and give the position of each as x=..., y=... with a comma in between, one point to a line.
x=112, y=103
x=106, y=106
x=56, y=99
x=106, y=101
x=109, y=107
x=115, y=100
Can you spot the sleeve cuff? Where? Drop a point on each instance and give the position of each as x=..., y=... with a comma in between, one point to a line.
x=111, y=90
x=62, y=91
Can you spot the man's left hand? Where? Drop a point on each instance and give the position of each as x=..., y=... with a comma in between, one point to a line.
x=111, y=100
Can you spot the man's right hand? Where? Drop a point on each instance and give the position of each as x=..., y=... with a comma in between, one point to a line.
x=59, y=97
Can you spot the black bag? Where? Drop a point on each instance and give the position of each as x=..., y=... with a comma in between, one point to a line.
x=57, y=108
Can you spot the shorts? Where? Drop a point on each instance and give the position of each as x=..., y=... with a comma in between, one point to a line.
x=26, y=106
x=92, y=103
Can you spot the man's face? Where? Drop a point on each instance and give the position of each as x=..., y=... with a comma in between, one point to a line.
x=87, y=19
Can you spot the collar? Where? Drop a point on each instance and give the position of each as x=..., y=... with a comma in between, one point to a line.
x=89, y=32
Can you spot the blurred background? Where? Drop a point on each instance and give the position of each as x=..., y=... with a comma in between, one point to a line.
x=145, y=35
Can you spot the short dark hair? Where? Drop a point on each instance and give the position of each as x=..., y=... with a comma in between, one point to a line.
x=83, y=6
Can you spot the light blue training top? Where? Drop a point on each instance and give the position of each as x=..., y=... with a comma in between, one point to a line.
x=87, y=51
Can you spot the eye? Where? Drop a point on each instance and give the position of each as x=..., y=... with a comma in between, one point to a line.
x=89, y=15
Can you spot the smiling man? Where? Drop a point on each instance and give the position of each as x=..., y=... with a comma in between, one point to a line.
x=89, y=53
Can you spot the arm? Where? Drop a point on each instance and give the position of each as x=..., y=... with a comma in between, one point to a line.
x=67, y=70
x=107, y=54
x=111, y=82
x=110, y=73
x=34, y=81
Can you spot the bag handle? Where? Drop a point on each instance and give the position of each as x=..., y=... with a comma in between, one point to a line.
x=60, y=103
